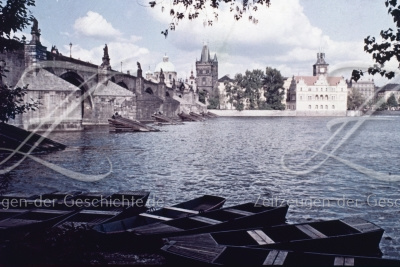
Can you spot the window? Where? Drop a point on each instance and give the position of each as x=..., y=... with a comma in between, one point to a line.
x=333, y=97
x=326, y=106
x=309, y=106
x=309, y=97
x=204, y=80
x=333, y=106
x=301, y=88
x=326, y=97
x=170, y=77
x=316, y=97
x=316, y=106
x=301, y=97
x=293, y=97
x=309, y=89
x=322, y=107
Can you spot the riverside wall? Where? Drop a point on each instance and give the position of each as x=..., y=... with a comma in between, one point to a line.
x=280, y=113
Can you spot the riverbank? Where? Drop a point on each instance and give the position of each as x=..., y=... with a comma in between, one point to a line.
x=294, y=113
x=283, y=113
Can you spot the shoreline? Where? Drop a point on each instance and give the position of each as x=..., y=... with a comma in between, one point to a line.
x=294, y=113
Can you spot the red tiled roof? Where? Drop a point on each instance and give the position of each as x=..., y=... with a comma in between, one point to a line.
x=311, y=80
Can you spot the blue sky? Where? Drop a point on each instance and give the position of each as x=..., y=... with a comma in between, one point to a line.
x=287, y=37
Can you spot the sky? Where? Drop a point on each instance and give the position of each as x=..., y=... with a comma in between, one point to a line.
x=288, y=35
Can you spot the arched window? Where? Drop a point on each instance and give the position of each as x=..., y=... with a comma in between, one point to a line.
x=326, y=97
x=321, y=97
x=309, y=106
x=316, y=106
x=322, y=107
x=316, y=97
x=333, y=106
x=326, y=106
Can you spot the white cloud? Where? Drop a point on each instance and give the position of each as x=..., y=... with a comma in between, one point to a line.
x=284, y=38
x=94, y=25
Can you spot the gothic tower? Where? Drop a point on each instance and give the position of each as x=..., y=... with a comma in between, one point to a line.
x=320, y=67
x=207, y=72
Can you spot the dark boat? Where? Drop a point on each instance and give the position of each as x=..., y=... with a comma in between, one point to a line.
x=184, y=209
x=235, y=217
x=15, y=201
x=187, y=117
x=180, y=253
x=97, y=209
x=354, y=236
x=54, y=200
x=31, y=220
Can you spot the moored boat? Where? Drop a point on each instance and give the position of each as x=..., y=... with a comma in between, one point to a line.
x=180, y=253
x=354, y=236
x=105, y=209
x=235, y=217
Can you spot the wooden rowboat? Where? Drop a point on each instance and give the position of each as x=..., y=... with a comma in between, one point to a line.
x=235, y=217
x=354, y=236
x=180, y=254
x=184, y=209
x=31, y=220
x=106, y=209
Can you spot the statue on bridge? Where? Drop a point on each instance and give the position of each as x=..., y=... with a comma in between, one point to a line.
x=106, y=59
x=139, y=70
x=105, y=49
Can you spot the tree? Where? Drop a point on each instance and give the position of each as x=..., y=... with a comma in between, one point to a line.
x=213, y=102
x=191, y=10
x=14, y=16
x=385, y=50
x=251, y=84
x=392, y=102
x=235, y=93
x=354, y=99
x=273, y=88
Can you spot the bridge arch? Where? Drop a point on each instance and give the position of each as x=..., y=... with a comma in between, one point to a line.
x=149, y=91
x=78, y=81
x=122, y=84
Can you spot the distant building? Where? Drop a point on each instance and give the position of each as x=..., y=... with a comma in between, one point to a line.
x=318, y=95
x=168, y=69
x=207, y=72
x=366, y=88
x=389, y=89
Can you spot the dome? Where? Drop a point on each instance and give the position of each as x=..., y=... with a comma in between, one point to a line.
x=165, y=65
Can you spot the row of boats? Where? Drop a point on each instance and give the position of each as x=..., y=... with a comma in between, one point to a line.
x=200, y=231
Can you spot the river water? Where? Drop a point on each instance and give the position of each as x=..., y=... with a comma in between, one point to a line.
x=264, y=159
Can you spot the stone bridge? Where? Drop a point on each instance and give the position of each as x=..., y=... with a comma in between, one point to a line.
x=73, y=93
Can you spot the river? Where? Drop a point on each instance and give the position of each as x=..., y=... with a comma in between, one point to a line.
x=264, y=159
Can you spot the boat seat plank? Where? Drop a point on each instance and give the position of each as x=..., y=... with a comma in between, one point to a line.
x=162, y=218
x=183, y=210
x=260, y=237
x=348, y=261
x=205, y=220
x=339, y=261
x=269, y=260
x=280, y=259
x=310, y=231
x=240, y=212
x=50, y=211
x=100, y=212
